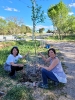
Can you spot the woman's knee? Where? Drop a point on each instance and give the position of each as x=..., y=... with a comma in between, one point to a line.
x=12, y=68
x=21, y=68
x=43, y=70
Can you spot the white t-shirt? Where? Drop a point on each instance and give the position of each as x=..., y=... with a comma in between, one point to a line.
x=10, y=59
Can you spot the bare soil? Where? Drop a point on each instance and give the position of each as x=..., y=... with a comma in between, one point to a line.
x=67, y=92
x=67, y=49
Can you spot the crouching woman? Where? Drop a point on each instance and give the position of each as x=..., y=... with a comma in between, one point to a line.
x=11, y=64
x=54, y=72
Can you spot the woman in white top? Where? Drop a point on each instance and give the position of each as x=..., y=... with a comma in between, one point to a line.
x=11, y=64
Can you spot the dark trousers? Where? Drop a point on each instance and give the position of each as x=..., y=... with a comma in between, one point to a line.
x=14, y=69
x=48, y=75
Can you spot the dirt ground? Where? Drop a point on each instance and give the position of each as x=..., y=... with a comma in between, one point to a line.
x=68, y=51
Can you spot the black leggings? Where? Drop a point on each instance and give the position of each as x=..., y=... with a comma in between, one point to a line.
x=13, y=69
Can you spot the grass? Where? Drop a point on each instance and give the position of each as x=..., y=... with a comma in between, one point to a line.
x=12, y=90
x=19, y=93
x=69, y=38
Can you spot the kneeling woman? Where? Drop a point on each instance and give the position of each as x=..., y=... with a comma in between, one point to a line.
x=54, y=72
x=11, y=64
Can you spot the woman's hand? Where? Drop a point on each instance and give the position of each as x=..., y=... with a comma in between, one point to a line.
x=39, y=66
x=43, y=57
x=42, y=66
x=39, y=53
x=25, y=55
x=20, y=65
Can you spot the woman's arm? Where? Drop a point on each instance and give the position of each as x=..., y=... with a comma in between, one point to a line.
x=53, y=64
x=13, y=64
x=25, y=56
x=44, y=58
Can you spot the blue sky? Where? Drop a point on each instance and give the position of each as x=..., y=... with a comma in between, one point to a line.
x=22, y=9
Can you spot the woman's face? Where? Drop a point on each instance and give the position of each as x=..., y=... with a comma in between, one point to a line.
x=51, y=54
x=14, y=52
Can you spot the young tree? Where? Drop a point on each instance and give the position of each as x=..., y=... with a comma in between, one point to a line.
x=37, y=17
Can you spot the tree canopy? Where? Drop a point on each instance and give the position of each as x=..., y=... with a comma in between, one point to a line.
x=59, y=15
x=13, y=25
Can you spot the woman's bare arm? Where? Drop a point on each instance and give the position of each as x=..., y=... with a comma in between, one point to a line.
x=44, y=58
x=54, y=63
x=13, y=64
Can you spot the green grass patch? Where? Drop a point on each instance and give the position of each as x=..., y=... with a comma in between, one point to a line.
x=70, y=37
x=19, y=93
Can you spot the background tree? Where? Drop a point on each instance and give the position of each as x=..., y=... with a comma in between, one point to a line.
x=28, y=29
x=23, y=29
x=11, y=27
x=49, y=31
x=71, y=24
x=41, y=30
x=16, y=22
x=3, y=24
x=58, y=14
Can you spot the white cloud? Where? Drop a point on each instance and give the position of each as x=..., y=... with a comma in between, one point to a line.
x=42, y=26
x=10, y=9
x=45, y=13
x=72, y=5
x=2, y=17
x=15, y=10
x=10, y=1
x=70, y=13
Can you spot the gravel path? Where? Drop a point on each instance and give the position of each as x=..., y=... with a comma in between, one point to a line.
x=68, y=51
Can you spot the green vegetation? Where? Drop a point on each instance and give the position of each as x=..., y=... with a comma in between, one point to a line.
x=24, y=47
x=13, y=25
x=13, y=90
x=62, y=21
x=68, y=38
x=19, y=93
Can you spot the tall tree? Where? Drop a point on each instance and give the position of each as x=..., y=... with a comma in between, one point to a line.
x=16, y=21
x=2, y=26
x=23, y=29
x=11, y=27
x=71, y=24
x=58, y=14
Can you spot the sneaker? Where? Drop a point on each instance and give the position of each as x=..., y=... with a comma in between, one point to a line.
x=13, y=76
x=41, y=85
x=1, y=93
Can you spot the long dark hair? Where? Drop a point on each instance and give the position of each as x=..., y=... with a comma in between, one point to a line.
x=15, y=47
x=52, y=50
